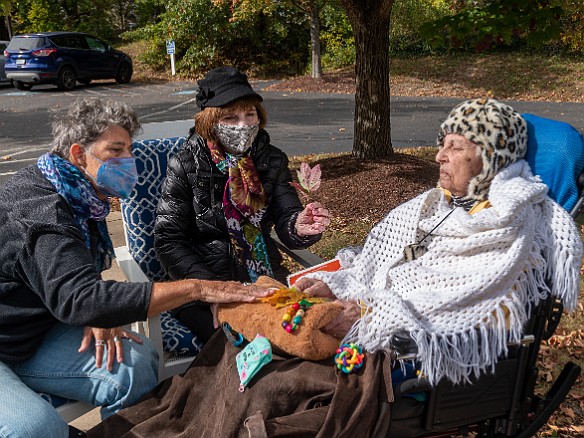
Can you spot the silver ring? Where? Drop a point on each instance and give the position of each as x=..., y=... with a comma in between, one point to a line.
x=99, y=343
x=117, y=339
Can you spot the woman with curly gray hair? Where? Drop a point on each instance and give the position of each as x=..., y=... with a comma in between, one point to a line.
x=56, y=313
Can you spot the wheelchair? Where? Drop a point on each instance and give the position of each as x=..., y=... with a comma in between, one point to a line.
x=502, y=403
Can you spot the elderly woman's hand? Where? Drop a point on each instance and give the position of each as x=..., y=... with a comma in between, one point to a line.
x=341, y=324
x=312, y=220
x=314, y=287
x=112, y=339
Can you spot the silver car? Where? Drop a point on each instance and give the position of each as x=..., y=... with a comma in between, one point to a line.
x=3, y=45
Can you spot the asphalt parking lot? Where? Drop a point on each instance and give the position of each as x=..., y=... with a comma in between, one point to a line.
x=298, y=123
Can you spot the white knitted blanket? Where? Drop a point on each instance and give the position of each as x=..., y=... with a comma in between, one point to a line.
x=474, y=288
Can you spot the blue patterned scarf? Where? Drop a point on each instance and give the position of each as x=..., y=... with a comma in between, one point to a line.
x=72, y=185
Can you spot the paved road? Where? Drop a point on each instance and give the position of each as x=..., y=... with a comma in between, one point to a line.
x=299, y=123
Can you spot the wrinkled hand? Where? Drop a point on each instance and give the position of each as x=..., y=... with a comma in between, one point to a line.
x=314, y=287
x=341, y=324
x=312, y=220
x=231, y=292
x=112, y=341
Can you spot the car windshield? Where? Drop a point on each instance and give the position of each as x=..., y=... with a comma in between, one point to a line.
x=26, y=43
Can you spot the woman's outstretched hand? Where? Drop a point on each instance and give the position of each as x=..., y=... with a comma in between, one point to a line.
x=312, y=220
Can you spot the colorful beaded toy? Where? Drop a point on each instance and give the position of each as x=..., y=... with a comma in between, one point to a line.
x=286, y=296
x=293, y=316
x=349, y=358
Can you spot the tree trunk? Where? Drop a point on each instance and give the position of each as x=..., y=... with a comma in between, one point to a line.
x=8, y=26
x=372, y=138
x=314, y=19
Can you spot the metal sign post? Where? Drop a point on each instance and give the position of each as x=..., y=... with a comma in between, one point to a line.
x=170, y=48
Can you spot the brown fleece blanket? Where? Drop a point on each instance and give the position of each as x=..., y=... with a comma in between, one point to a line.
x=289, y=397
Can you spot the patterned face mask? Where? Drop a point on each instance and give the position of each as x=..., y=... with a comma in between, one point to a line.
x=236, y=140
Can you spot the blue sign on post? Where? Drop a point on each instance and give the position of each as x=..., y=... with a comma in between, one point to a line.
x=170, y=47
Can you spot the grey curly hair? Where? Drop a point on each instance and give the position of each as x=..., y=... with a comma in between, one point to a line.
x=87, y=119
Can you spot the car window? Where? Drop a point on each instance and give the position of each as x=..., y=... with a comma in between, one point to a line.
x=26, y=43
x=76, y=42
x=95, y=44
x=60, y=41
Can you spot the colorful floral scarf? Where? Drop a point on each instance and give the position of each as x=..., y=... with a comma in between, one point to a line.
x=244, y=205
x=72, y=185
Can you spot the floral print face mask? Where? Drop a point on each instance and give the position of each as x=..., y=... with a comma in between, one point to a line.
x=235, y=139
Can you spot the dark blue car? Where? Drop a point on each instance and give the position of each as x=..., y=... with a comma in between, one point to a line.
x=63, y=59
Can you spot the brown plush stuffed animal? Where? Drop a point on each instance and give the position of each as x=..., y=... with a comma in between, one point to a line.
x=308, y=341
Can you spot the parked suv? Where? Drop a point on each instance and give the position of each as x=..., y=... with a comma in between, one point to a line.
x=63, y=58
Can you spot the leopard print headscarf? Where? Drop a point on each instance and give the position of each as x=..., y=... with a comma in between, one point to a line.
x=498, y=129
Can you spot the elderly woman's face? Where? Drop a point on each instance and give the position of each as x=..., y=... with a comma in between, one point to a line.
x=460, y=160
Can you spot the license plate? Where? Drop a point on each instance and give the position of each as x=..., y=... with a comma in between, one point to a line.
x=20, y=62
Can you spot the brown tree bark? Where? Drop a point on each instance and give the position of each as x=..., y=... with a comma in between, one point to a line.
x=370, y=20
x=314, y=14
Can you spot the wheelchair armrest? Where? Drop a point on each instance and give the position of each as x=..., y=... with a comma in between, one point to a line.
x=403, y=346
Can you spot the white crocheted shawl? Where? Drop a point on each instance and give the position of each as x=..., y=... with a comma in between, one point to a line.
x=474, y=288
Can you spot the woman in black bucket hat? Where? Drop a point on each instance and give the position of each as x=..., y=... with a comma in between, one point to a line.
x=225, y=190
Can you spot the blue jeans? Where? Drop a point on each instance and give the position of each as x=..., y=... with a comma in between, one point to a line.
x=58, y=368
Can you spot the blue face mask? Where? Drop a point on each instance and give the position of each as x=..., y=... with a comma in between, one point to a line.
x=116, y=177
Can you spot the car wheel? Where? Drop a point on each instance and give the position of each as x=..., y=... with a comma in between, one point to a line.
x=84, y=81
x=124, y=73
x=66, y=79
x=22, y=85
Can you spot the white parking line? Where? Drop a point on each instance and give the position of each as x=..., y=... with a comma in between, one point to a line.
x=95, y=92
x=121, y=91
x=168, y=109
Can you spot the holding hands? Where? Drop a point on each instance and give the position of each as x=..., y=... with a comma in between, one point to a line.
x=312, y=220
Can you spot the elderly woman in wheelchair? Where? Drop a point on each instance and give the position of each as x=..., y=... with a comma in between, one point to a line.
x=461, y=269
x=461, y=266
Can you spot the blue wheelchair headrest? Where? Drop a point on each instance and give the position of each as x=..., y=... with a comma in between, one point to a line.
x=555, y=152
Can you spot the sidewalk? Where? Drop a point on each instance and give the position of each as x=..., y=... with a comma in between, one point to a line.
x=116, y=232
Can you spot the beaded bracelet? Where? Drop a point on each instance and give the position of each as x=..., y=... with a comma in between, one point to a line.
x=293, y=316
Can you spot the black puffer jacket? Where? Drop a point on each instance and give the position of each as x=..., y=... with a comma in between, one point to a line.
x=191, y=237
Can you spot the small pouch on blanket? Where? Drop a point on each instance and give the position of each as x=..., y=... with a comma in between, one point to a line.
x=307, y=342
x=252, y=358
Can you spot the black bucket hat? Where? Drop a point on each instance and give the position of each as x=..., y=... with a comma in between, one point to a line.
x=223, y=85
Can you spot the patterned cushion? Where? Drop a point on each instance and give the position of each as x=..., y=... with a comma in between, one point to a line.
x=177, y=338
x=139, y=213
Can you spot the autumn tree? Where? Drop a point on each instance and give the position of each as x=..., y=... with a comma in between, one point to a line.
x=370, y=22
x=244, y=9
x=5, y=8
x=312, y=10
